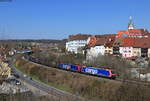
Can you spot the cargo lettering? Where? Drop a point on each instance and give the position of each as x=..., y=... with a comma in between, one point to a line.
x=91, y=71
x=66, y=66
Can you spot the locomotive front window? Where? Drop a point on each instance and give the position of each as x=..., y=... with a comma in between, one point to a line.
x=112, y=72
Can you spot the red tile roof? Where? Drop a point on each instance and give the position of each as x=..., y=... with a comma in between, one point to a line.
x=143, y=42
x=136, y=30
x=106, y=40
x=133, y=32
x=92, y=41
x=105, y=35
x=128, y=41
x=118, y=42
x=110, y=42
x=79, y=37
x=100, y=41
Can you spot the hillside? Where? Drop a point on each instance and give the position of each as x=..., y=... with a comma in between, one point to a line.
x=85, y=86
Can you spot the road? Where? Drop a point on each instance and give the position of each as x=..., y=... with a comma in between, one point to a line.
x=59, y=94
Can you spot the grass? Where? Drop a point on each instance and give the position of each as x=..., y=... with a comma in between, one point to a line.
x=50, y=84
x=75, y=84
x=42, y=81
x=53, y=84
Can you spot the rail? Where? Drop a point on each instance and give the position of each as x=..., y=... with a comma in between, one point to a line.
x=49, y=89
x=119, y=80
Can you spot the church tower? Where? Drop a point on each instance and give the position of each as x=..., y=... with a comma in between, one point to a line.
x=130, y=25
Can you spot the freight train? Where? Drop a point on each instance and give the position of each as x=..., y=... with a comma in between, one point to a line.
x=107, y=73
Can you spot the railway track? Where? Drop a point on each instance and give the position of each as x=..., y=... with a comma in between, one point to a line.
x=117, y=79
x=49, y=89
x=134, y=82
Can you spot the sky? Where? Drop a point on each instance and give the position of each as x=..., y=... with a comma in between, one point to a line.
x=56, y=19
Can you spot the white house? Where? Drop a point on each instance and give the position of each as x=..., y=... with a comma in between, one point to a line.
x=134, y=47
x=95, y=51
x=96, y=47
x=127, y=52
x=75, y=42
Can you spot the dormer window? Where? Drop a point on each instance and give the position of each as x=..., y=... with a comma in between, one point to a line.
x=124, y=35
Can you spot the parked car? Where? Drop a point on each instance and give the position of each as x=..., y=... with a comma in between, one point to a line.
x=14, y=81
x=16, y=75
x=18, y=82
x=25, y=75
x=30, y=78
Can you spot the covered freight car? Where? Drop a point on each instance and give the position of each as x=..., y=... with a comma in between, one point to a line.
x=65, y=66
x=70, y=67
x=76, y=68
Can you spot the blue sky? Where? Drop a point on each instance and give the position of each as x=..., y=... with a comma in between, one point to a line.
x=56, y=19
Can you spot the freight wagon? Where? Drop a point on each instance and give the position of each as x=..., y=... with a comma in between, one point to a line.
x=64, y=66
x=76, y=68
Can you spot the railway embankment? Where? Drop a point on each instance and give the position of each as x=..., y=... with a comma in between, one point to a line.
x=85, y=86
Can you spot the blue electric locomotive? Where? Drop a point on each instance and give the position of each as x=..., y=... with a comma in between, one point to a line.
x=89, y=70
x=99, y=72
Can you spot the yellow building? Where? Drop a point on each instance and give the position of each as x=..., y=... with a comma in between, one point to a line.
x=149, y=52
x=5, y=70
x=136, y=52
x=109, y=45
x=108, y=50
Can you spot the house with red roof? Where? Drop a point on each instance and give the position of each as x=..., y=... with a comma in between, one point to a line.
x=128, y=42
x=127, y=47
x=95, y=47
x=132, y=32
x=109, y=45
x=100, y=45
x=118, y=46
x=135, y=47
x=144, y=45
x=76, y=42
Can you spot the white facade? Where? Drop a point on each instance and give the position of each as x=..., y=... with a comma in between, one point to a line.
x=145, y=77
x=121, y=50
x=95, y=51
x=127, y=52
x=74, y=45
